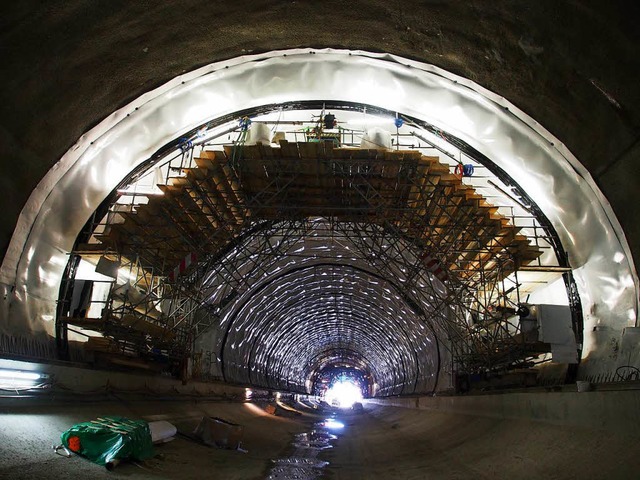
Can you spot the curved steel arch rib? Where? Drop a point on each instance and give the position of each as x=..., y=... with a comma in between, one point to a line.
x=304, y=310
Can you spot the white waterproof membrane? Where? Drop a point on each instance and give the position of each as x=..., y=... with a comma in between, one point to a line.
x=263, y=335
x=319, y=303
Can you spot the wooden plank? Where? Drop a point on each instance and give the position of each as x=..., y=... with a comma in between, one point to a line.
x=85, y=323
x=289, y=150
x=415, y=192
x=308, y=149
x=141, y=324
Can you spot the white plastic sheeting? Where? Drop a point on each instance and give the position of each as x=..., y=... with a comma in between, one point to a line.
x=285, y=332
x=307, y=303
x=67, y=196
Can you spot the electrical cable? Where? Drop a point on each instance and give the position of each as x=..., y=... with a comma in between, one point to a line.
x=633, y=375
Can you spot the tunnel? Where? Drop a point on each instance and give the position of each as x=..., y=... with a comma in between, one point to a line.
x=223, y=211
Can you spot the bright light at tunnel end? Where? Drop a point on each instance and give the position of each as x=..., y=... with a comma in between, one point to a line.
x=343, y=394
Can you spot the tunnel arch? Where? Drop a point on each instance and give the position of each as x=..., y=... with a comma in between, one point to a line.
x=302, y=328
x=460, y=107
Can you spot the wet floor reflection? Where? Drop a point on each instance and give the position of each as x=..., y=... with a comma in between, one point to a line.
x=303, y=463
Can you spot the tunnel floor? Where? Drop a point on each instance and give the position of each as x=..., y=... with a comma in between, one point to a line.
x=381, y=442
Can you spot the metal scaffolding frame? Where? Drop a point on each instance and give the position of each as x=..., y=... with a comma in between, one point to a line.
x=243, y=212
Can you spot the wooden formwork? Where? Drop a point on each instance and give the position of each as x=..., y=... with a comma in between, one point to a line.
x=207, y=206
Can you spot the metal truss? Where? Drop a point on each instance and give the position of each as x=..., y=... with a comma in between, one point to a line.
x=246, y=212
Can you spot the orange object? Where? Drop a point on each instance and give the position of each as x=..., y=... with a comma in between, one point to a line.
x=74, y=444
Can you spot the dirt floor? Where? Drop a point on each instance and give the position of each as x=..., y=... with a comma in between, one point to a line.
x=27, y=434
x=410, y=444
x=382, y=442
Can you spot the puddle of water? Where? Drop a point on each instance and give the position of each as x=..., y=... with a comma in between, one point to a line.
x=317, y=439
x=303, y=463
x=291, y=472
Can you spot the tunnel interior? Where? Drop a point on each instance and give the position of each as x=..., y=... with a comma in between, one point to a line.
x=271, y=244
x=211, y=209
x=406, y=221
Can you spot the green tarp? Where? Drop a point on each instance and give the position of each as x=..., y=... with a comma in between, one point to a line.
x=110, y=438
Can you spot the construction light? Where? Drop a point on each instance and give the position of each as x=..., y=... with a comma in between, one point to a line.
x=16, y=379
x=17, y=375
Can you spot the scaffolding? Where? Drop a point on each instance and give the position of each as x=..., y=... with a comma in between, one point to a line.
x=225, y=218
